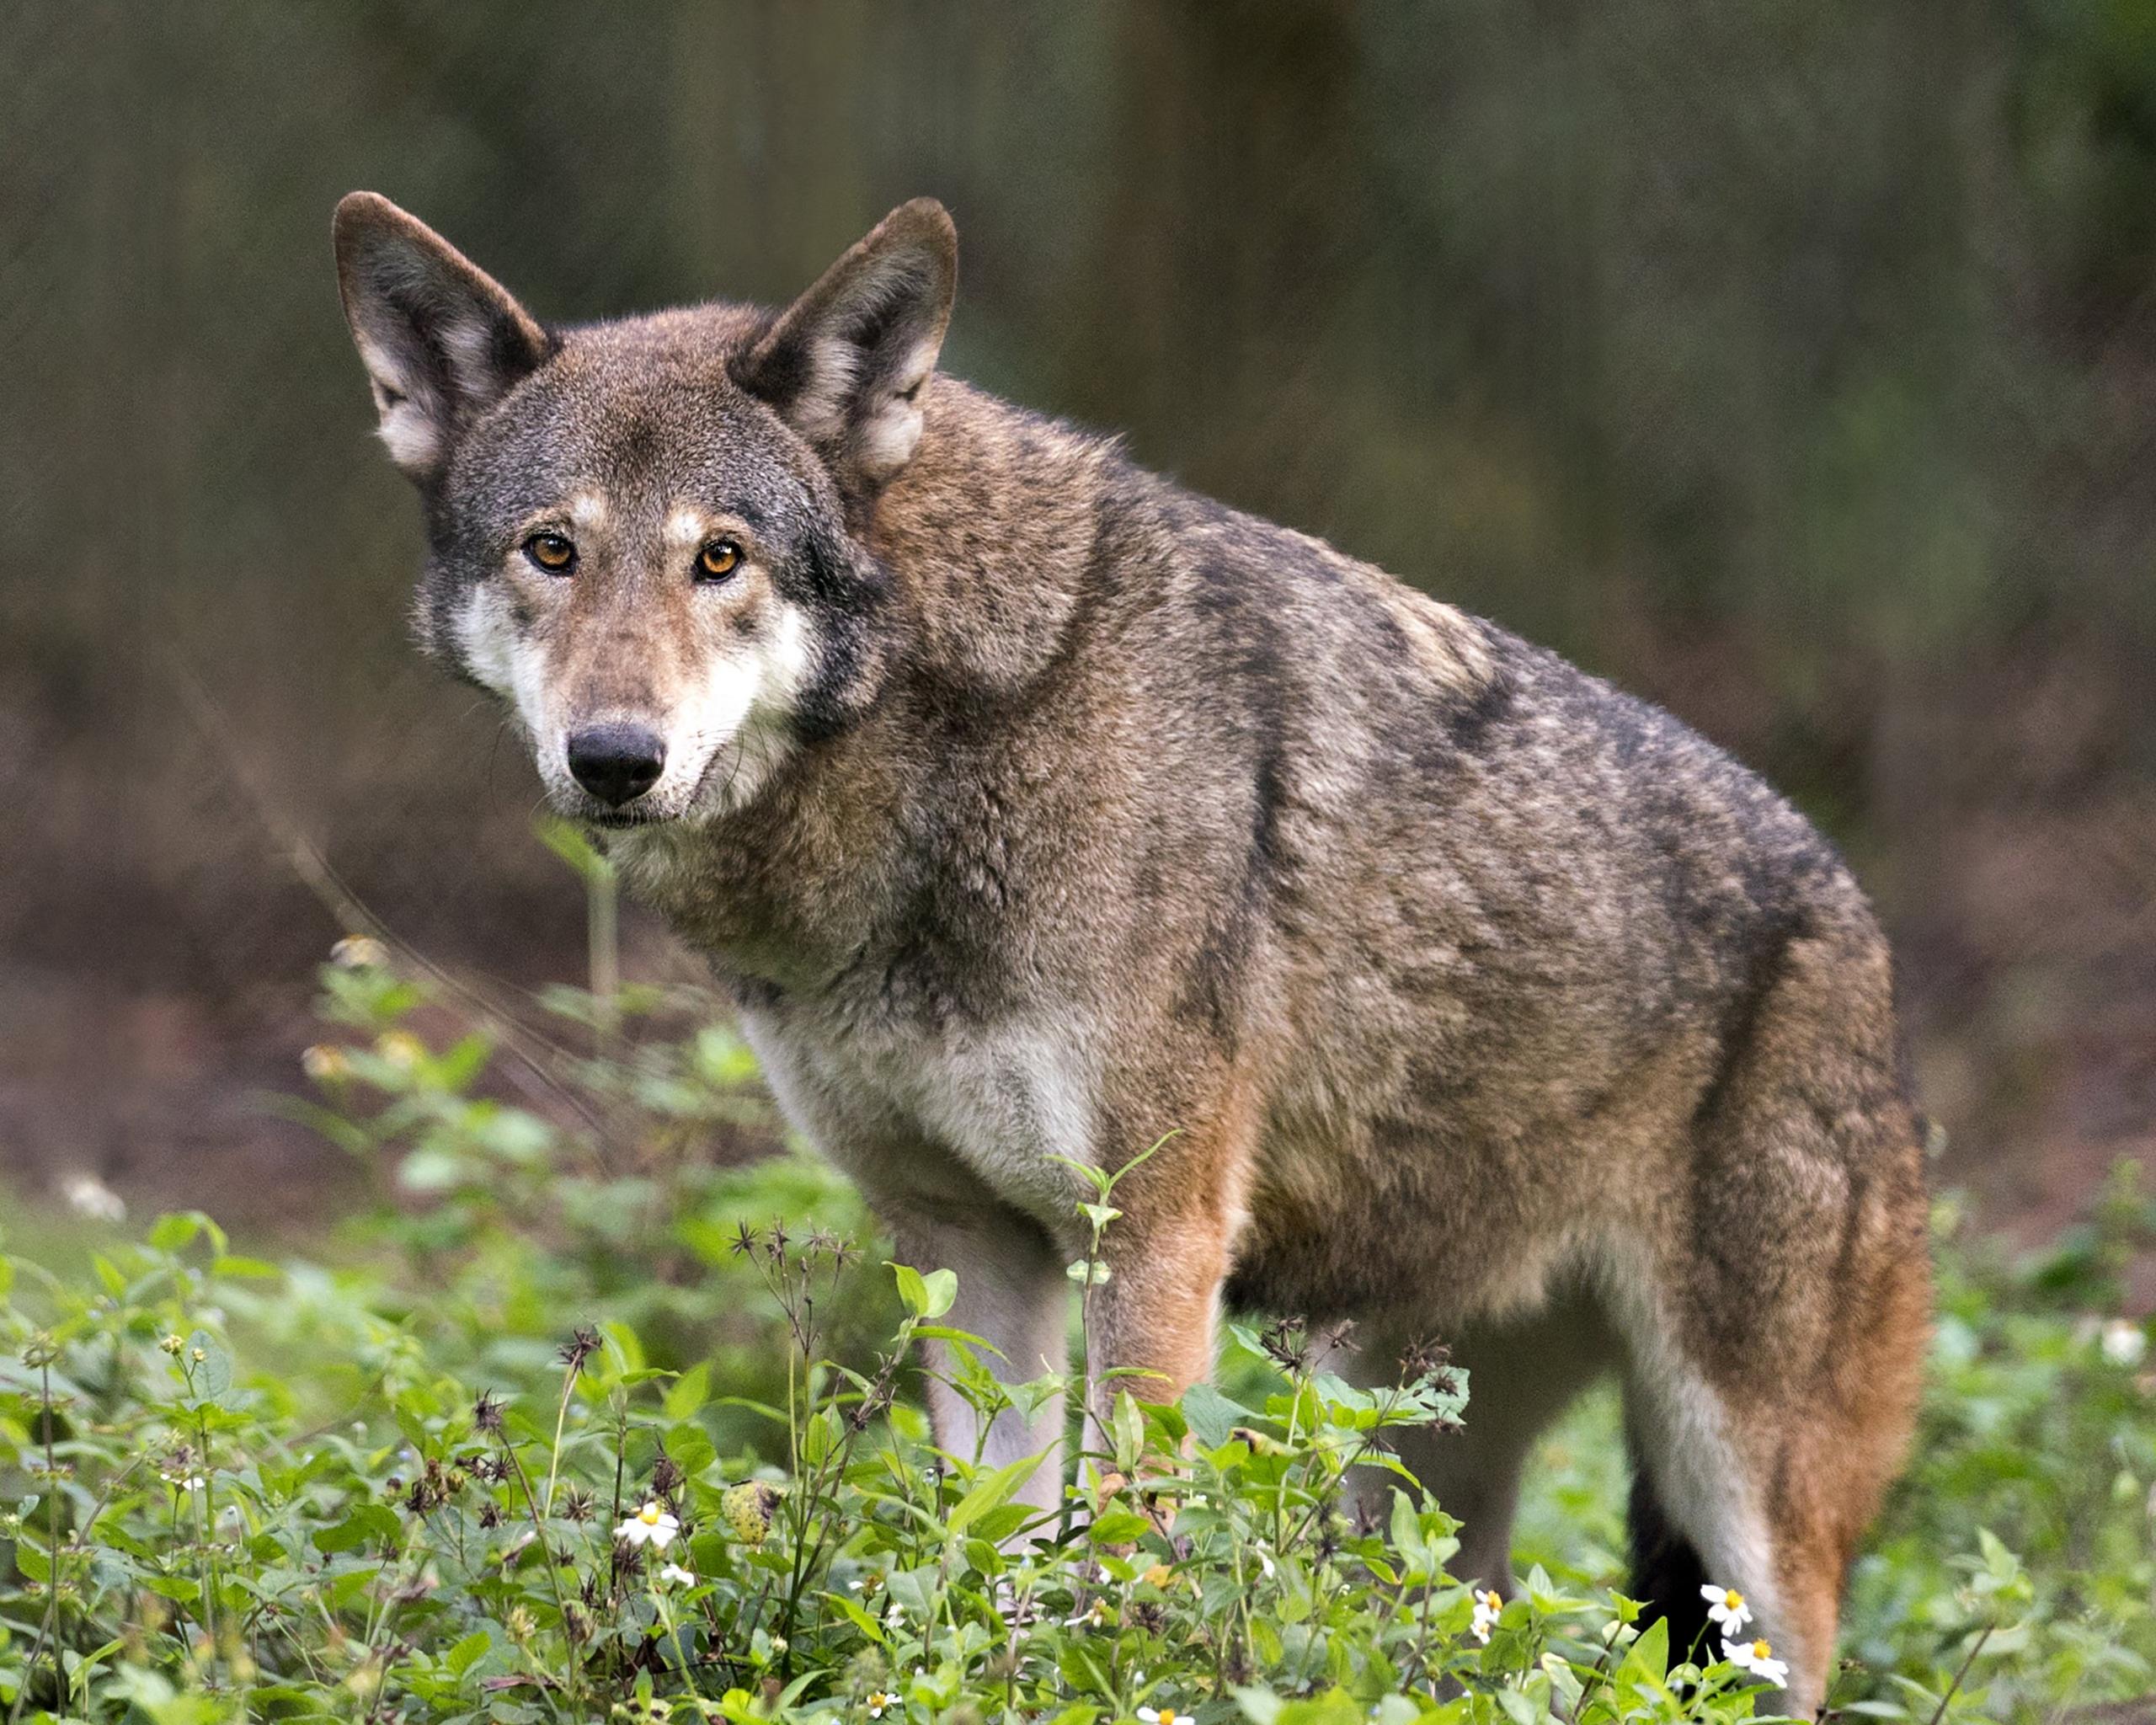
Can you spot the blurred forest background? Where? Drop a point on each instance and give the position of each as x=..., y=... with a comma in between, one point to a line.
x=1794, y=365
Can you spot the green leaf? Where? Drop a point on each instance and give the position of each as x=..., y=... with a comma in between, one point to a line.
x=1212, y=1415
x=1261, y=1707
x=174, y=1229
x=942, y=1288
x=691, y=1450
x=821, y=1436
x=210, y=1376
x=688, y=1393
x=988, y=1493
x=860, y=1619
x=1000, y=1523
x=912, y=1291
x=1127, y=1426
x=1649, y=1656
x=1081, y=1669
x=1406, y=1533
x=568, y=843
x=1522, y=1709
x=370, y=1521
x=1118, y=1527
x=467, y=1653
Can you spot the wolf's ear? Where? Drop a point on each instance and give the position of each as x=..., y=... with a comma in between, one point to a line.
x=441, y=339
x=845, y=363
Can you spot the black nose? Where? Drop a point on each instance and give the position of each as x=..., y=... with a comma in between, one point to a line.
x=617, y=763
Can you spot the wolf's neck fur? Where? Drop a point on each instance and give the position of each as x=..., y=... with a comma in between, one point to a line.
x=990, y=535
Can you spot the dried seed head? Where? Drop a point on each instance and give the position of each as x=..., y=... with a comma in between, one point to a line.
x=487, y=1412
x=1424, y=1358
x=1286, y=1343
x=582, y=1344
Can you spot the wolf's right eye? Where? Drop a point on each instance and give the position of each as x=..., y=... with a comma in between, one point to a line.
x=552, y=552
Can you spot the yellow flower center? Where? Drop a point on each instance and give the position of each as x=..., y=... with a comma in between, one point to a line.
x=649, y=1515
x=1493, y=1600
x=1733, y=1599
x=1760, y=1650
x=1169, y=1715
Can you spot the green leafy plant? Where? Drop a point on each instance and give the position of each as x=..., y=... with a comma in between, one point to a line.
x=580, y=1419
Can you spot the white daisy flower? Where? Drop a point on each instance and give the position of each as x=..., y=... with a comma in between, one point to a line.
x=651, y=1525
x=877, y=1701
x=2124, y=1341
x=90, y=1196
x=1757, y=1658
x=359, y=952
x=1489, y=1604
x=676, y=1573
x=1727, y=1608
x=1161, y=1716
x=1096, y=1615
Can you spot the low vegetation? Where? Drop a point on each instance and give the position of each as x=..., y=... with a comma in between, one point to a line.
x=577, y=1422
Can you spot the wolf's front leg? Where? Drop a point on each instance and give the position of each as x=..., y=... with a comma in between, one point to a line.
x=1150, y=1327
x=1014, y=1293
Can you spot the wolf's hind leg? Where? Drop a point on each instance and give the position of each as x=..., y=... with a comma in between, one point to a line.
x=1520, y=1376
x=1764, y=1481
x=1775, y=1332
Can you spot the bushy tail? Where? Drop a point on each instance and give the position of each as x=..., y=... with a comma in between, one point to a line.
x=1667, y=1574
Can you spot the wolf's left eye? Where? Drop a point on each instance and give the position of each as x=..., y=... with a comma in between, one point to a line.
x=717, y=560
x=552, y=552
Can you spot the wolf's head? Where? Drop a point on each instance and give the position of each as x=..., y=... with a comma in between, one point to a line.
x=642, y=535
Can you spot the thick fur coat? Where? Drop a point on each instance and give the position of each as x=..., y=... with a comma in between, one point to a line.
x=1031, y=808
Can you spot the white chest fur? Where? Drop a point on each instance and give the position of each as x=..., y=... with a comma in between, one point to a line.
x=936, y=1113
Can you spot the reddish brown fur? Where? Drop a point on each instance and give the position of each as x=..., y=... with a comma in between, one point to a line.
x=1478, y=998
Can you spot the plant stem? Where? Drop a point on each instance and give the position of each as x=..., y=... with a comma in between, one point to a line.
x=1975, y=1648
x=546, y=1557
x=49, y=1628
x=602, y=934
x=561, y=1419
